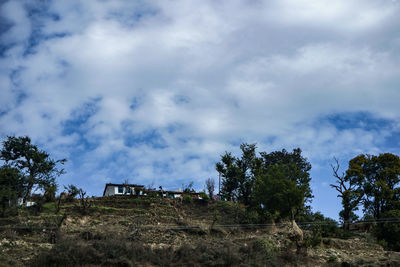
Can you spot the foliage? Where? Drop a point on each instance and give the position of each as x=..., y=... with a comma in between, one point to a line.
x=116, y=251
x=210, y=185
x=50, y=193
x=84, y=202
x=379, y=178
x=188, y=188
x=36, y=166
x=374, y=182
x=327, y=226
x=204, y=196
x=187, y=199
x=238, y=174
x=388, y=231
x=276, y=184
x=297, y=168
x=72, y=191
x=277, y=194
x=11, y=186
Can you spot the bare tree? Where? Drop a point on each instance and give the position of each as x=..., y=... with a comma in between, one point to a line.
x=210, y=185
x=349, y=192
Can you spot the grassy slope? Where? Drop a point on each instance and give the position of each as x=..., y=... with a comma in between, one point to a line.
x=129, y=231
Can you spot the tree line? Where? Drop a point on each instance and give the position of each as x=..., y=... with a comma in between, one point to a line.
x=274, y=185
x=277, y=186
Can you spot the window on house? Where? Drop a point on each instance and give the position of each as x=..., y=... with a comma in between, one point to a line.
x=120, y=189
x=128, y=190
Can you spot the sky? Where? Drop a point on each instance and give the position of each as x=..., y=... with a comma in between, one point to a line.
x=155, y=91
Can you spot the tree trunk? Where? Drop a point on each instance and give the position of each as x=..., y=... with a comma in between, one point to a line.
x=28, y=190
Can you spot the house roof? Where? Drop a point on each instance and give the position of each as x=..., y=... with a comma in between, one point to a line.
x=131, y=185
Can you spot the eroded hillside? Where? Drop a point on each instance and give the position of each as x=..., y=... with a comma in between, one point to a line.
x=162, y=232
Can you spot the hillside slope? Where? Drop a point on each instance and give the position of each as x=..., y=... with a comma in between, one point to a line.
x=163, y=232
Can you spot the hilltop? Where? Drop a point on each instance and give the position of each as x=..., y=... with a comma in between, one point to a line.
x=153, y=231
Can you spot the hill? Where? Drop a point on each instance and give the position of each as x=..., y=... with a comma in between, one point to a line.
x=126, y=231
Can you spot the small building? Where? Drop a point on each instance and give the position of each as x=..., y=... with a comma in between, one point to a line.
x=20, y=202
x=123, y=189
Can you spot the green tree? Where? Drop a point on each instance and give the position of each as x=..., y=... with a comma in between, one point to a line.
x=238, y=173
x=11, y=186
x=298, y=168
x=36, y=166
x=278, y=195
x=379, y=178
x=229, y=172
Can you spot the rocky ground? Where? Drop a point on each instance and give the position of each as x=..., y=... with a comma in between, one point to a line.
x=132, y=232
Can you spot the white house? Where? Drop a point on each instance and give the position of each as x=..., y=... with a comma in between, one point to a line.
x=123, y=189
x=20, y=202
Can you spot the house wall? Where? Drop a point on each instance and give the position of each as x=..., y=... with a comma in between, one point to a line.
x=110, y=190
x=113, y=190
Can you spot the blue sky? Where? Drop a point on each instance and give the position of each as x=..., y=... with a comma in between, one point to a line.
x=156, y=91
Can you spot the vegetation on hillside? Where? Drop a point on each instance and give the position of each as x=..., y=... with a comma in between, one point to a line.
x=261, y=193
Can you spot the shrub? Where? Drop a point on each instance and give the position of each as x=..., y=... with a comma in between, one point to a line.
x=388, y=232
x=204, y=196
x=187, y=199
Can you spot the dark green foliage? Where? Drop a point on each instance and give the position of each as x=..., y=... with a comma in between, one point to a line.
x=238, y=174
x=297, y=168
x=36, y=166
x=277, y=194
x=188, y=188
x=204, y=196
x=11, y=186
x=326, y=226
x=276, y=184
x=72, y=191
x=50, y=193
x=187, y=199
x=373, y=181
x=388, y=230
x=379, y=178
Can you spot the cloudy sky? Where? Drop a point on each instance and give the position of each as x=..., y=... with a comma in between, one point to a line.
x=155, y=91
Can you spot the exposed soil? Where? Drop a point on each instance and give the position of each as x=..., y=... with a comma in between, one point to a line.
x=134, y=232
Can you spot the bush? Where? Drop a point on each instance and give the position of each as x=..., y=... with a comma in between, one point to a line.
x=204, y=196
x=187, y=199
x=115, y=251
x=326, y=227
x=388, y=232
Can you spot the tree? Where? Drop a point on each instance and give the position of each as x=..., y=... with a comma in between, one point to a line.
x=36, y=166
x=210, y=185
x=11, y=186
x=188, y=188
x=379, y=178
x=298, y=168
x=277, y=194
x=350, y=192
x=238, y=173
x=278, y=181
x=229, y=172
x=72, y=192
